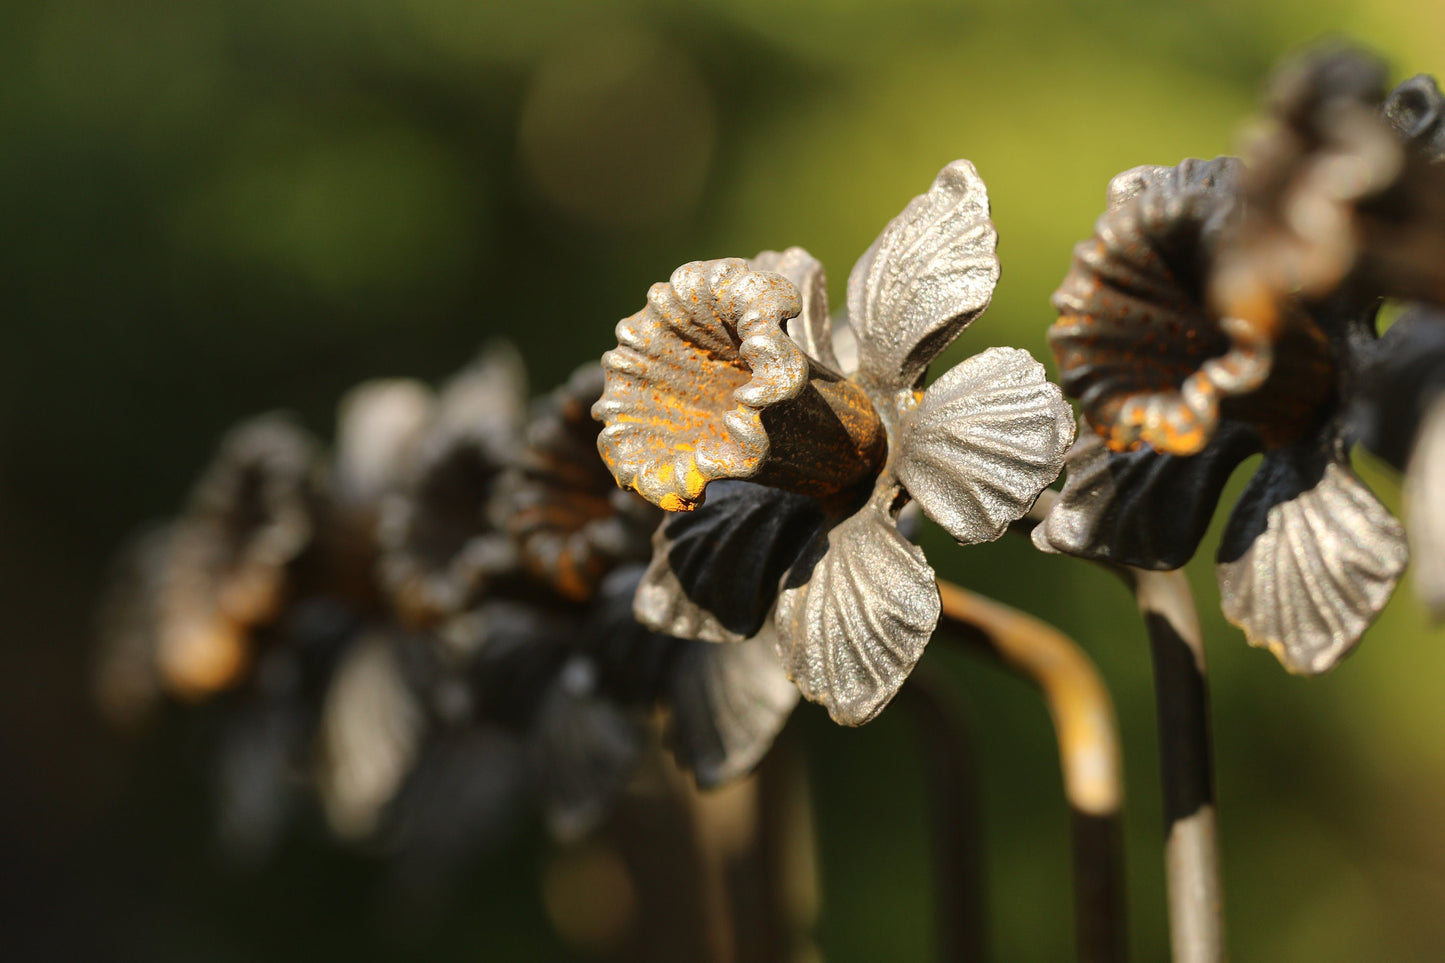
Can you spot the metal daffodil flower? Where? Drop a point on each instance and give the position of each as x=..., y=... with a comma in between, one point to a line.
x=729, y=377
x=1310, y=556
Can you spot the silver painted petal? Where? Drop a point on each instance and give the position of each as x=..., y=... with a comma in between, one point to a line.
x=729, y=702
x=1425, y=506
x=931, y=272
x=988, y=436
x=379, y=423
x=811, y=329
x=371, y=730
x=855, y=614
x=1313, y=579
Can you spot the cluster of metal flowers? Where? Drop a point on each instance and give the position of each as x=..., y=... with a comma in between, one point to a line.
x=1232, y=307
x=428, y=627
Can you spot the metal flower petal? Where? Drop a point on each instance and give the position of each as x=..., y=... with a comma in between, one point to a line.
x=1309, y=558
x=1136, y=343
x=227, y=568
x=930, y=273
x=705, y=384
x=371, y=730
x=570, y=522
x=855, y=614
x=728, y=702
x=1416, y=109
x=714, y=572
x=812, y=328
x=1141, y=508
x=986, y=438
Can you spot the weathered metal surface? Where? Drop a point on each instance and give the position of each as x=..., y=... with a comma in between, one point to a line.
x=706, y=384
x=570, y=522
x=974, y=449
x=1136, y=342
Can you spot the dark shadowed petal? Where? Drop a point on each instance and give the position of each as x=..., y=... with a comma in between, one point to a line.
x=1395, y=387
x=931, y=272
x=1309, y=558
x=855, y=614
x=705, y=384
x=1140, y=508
x=228, y=565
x=714, y=572
x=584, y=748
x=728, y=702
x=1425, y=506
x=463, y=799
x=988, y=436
x=812, y=328
x=254, y=778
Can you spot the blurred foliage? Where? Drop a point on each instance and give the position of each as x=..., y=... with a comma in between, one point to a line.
x=217, y=207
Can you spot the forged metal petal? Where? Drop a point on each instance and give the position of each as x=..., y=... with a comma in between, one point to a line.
x=930, y=273
x=1425, y=507
x=378, y=425
x=714, y=572
x=570, y=521
x=1309, y=558
x=515, y=651
x=728, y=702
x=1416, y=110
x=486, y=401
x=228, y=566
x=705, y=384
x=584, y=748
x=855, y=614
x=988, y=436
x=1140, y=508
x=371, y=729
x=1404, y=373
x=127, y=680
x=812, y=328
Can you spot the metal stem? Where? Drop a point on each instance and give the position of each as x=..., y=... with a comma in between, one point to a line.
x=1186, y=755
x=959, y=909
x=1089, y=754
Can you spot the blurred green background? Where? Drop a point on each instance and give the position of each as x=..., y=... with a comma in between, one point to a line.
x=216, y=207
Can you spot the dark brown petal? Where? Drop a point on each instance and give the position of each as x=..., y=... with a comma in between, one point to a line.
x=705, y=384
x=1309, y=558
x=1141, y=508
x=228, y=564
x=571, y=523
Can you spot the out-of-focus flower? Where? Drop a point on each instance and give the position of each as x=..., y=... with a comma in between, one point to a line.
x=1344, y=193
x=707, y=385
x=1310, y=555
x=442, y=540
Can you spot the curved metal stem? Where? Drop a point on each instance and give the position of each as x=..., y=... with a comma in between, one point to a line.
x=1089, y=753
x=1186, y=756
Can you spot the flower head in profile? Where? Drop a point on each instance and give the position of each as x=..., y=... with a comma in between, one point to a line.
x=1224, y=310
x=729, y=378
